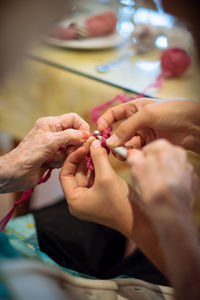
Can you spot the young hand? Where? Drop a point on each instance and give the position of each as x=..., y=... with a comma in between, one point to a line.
x=105, y=199
x=150, y=119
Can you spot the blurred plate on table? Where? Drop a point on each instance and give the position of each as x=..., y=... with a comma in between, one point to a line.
x=108, y=41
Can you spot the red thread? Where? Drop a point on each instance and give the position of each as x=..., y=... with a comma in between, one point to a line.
x=24, y=198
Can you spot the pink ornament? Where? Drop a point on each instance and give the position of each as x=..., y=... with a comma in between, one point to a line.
x=174, y=62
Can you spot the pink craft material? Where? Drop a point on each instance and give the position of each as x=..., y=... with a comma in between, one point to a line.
x=98, y=109
x=95, y=26
x=174, y=62
x=105, y=135
x=24, y=198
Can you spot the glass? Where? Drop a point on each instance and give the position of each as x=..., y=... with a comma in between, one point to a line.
x=132, y=75
x=125, y=25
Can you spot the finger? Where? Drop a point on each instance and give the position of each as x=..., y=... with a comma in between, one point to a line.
x=121, y=112
x=158, y=146
x=88, y=143
x=70, y=137
x=81, y=173
x=118, y=156
x=73, y=120
x=135, y=157
x=70, y=149
x=135, y=143
x=100, y=160
x=90, y=178
x=112, y=115
x=57, y=160
x=127, y=129
x=68, y=171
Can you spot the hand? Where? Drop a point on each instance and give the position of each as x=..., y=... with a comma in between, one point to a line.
x=46, y=145
x=106, y=199
x=164, y=175
x=167, y=185
x=150, y=119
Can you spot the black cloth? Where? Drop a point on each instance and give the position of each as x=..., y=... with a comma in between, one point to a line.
x=89, y=248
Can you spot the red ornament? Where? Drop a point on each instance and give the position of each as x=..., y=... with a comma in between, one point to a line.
x=174, y=62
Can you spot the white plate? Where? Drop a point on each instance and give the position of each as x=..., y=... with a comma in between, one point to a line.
x=109, y=41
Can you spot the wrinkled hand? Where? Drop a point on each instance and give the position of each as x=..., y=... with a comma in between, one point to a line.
x=150, y=119
x=46, y=145
x=164, y=175
x=105, y=199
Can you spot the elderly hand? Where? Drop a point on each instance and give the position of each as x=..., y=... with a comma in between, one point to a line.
x=149, y=119
x=106, y=199
x=46, y=145
x=164, y=175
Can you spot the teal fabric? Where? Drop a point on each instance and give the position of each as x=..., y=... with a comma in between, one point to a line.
x=22, y=235
x=6, y=250
x=4, y=293
x=19, y=241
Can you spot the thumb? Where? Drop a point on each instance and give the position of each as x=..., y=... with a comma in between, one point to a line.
x=68, y=171
x=127, y=129
x=100, y=160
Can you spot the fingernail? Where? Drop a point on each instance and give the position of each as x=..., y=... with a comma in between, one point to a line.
x=96, y=144
x=112, y=141
x=129, y=151
x=100, y=124
x=85, y=135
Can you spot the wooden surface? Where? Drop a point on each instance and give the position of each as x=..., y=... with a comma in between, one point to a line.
x=41, y=90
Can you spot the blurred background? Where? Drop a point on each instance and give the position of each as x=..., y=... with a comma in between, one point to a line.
x=99, y=49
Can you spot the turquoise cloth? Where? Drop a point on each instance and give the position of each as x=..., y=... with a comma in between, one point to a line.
x=22, y=235
x=6, y=252
x=20, y=241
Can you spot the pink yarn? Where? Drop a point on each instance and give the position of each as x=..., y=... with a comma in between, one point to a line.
x=105, y=135
x=174, y=62
x=24, y=198
x=98, y=109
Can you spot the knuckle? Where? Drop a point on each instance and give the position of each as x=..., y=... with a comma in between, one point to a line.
x=40, y=121
x=131, y=109
x=98, y=152
x=122, y=130
x=48, y=139
x=148, y=111
x=161, y=144
x=73, y=115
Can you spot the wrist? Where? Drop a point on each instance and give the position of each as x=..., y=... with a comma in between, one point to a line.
x=10, y=169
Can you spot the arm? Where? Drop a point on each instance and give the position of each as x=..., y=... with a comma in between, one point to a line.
x=180, y=244
x=45, y=146
x=168, y=183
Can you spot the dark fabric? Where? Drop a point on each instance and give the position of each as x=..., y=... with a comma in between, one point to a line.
x=89, y=248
